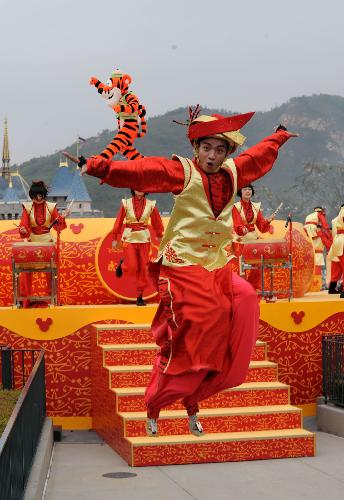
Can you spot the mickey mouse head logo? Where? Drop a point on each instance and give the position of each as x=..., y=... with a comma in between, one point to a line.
x=44, y=324
x=76, y=228
x=297, y=316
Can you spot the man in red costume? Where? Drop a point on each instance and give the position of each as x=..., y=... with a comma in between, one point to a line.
x=207, y=320
x=247, y=216
x=319, y=232
x=37, y=218
x=134, y=215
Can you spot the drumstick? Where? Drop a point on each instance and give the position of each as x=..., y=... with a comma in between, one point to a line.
x=70, y=157
x=276, y=211
x=70, y=205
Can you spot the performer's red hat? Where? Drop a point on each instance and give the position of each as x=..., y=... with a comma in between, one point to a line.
x=220, y=127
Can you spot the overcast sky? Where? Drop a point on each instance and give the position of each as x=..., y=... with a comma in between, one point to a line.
x=238, y=55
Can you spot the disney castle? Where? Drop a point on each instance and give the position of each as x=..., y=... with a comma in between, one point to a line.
x=67, y=188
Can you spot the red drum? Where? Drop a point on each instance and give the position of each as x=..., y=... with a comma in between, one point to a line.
x=273, y=251
x=33, y=255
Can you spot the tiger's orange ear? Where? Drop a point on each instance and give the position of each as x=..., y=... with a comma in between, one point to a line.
x=127, y=79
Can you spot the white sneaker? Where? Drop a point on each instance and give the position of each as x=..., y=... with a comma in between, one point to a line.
x=152, y=427
x=195, y=426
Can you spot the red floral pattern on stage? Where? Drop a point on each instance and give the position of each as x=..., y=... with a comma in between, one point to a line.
x=67, y=365
x=235, y=451
x=299, y=356
x=228, y=423
x=79, y=282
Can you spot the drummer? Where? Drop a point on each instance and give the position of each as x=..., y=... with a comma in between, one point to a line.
x=37, y=219
x=247, y=217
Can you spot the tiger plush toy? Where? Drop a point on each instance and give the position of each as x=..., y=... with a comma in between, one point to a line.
x=128, y=110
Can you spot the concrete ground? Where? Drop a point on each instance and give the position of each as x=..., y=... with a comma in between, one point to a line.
x=81, y=460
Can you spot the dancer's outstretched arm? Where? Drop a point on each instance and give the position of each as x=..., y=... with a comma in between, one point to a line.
x=258, y=160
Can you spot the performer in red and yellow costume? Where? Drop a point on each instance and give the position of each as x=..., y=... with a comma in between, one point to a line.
x=207, y=320
x=336, y=253
x=134, y=214
x=37, y=218
x=318, y=230
x=247, y=216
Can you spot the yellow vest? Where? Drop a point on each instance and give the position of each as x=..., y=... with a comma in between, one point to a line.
x=28, y=205
x=129, y=235
x=252, y=235
x=194, y=236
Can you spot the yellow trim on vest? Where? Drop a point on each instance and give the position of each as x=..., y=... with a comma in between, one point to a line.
x=28, y=205
x=194, y=236
x=142, y=236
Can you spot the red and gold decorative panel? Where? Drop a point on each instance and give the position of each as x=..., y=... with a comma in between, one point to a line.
x=84, y=281
x=228, y=451
x=261, y=375
x=134, y=336
x=226, y=399
x=107, y=259
x=79, y=281
x=67, y=365
x=130, y=379
x=299, y=358
x=237, y=423
x=259, y=353
x=129, y=357
x=248, y=397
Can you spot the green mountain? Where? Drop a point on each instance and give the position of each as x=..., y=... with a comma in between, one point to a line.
x=314, y=159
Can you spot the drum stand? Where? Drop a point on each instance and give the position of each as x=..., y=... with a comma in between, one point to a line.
x=43, y=267
x=270, y=266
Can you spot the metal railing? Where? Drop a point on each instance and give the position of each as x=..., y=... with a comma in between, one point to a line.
x=2, y=346
x=16, y=366
x=19, y=440
x=333, y=369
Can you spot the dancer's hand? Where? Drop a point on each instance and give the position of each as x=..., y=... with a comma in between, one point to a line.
x=83, y=170
x=66, y=212
x=282, y=127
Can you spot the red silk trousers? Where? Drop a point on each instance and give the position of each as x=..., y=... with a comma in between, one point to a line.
x=206, y=326
x=136, y=258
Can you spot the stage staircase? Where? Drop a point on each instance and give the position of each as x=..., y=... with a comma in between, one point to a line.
x=250, y=422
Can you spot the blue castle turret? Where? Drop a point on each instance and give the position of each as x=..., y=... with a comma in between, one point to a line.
x=68, y=189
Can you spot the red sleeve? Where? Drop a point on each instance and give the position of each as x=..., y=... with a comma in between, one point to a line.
x=157, y=223
x=25, y=222
x=238, y=222
x=117, y=228
x=258, y=160
x=61, y=225
x=149, y=174
x=262, y=224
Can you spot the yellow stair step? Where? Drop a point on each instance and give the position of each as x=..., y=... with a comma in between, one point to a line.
x=122, y=326
x=219, y=437
x=127, y=347
x=214, y=412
